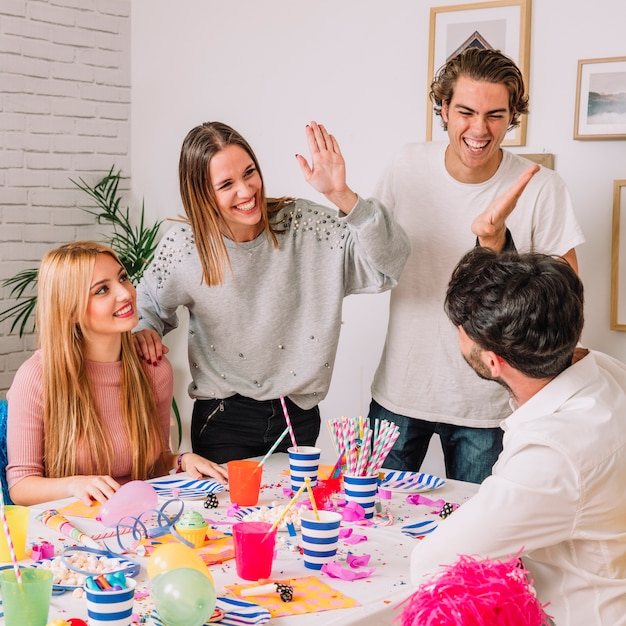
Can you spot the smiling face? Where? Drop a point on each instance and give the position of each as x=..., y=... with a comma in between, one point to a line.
x=237, y=187
x=478, y=116
x=111, y=308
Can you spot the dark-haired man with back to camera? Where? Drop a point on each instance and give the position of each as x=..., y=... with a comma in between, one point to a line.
x=557, y=491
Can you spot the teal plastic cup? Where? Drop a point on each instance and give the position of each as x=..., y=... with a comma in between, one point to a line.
x=28, y=603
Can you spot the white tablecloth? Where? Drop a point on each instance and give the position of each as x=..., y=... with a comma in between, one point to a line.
x=378, y=595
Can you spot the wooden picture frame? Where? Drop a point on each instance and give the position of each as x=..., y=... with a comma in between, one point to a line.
x=546, y=159
x=502, y=25
x=601, y=99
x=618, y=256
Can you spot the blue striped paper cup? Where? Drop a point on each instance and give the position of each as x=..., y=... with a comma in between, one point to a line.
x=362, y=490
x=319, y=537
x=112, y=607
x=303, y=462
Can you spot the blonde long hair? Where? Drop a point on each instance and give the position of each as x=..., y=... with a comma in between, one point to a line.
x=69, y=411
x=200, y=145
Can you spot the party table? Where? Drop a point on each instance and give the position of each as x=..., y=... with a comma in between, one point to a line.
x=372, y=599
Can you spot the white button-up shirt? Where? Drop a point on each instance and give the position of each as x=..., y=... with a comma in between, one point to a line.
x=558, y=495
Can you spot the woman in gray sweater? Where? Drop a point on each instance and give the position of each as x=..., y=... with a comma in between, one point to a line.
x=263, y=280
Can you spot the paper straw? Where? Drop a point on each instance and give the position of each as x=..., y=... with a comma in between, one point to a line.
x=332, y=429
x=274, y=446
x=291, y=433
x=383, y=446
x=277, y=523
x=336, y=471
x=364, y=454
x=376, y=428
x=307, y=482
x=7, y=533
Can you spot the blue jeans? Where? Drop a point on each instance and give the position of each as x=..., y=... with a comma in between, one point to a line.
x=240, y=427
x=469, y=453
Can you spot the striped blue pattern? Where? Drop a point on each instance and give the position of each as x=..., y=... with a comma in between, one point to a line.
x=185, y=488
x=362, y=490
x=110, y=608
x=321, y=540
x=237, y=613
x=319, y=525
x=314, y=559
x=318, y=554
x=420, y=528
x=410, y=482
x=305, y=462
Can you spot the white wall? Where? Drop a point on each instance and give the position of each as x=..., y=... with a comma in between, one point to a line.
x=64, y=114
x=360, y=67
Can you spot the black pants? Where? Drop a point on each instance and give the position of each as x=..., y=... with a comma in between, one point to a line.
x=239, y=427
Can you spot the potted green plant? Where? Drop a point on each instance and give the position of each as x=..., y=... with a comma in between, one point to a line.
x=134, y=244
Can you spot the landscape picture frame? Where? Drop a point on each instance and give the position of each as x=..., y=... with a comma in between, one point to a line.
x=600, y=111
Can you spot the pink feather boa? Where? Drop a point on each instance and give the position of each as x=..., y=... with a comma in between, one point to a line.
x=475, y=592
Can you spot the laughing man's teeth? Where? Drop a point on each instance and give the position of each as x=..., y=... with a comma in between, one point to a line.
x=476, y=144
x=247, y=206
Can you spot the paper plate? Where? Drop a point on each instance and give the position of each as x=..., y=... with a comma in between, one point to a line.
x=236, y=611
x=185, y=488
x=420, y=528
x=241, y=513
x=410, y=482
x=127, y=566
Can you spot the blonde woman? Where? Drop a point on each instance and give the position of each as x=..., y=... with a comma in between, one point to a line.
x=85, y=414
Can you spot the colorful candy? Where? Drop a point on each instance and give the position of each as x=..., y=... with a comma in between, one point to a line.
x=106, y=582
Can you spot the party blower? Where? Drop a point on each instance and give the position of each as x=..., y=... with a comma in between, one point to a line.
x=61, y=524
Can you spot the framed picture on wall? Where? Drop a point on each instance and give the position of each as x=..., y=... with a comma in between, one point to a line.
x=601, y=99
x=618, y=256
x=502, y=25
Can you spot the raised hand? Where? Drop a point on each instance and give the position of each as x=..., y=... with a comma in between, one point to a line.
x=490, y=225
x=327, y=172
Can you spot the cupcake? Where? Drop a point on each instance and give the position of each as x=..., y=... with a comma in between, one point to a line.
x=192, y=527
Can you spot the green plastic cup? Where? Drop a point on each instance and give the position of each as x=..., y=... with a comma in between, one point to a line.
x=26, y=604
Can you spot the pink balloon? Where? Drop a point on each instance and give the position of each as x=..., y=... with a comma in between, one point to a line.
x=132, y=499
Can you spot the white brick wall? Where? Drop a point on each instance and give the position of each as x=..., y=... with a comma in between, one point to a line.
x=64, y=113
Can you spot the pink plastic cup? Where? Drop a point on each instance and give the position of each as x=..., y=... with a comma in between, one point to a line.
x=254, y=554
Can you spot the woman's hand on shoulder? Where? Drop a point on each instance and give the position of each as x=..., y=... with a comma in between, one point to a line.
x=149, y=346
x=90, y=488
x=197, y=467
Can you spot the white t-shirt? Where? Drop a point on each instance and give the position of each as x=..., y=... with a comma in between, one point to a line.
x=421, y=372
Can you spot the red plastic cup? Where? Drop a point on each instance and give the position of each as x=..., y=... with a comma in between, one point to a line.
x=244, y=482
x=254, y=549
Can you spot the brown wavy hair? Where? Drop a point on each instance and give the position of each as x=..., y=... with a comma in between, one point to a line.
x=485, y=65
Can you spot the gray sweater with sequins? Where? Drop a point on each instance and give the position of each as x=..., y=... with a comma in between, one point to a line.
x=272, y=327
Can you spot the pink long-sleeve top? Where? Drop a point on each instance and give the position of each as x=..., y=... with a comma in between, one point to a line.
x=25, y=431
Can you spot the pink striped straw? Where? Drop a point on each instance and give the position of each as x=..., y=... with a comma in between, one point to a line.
x=291, y=433
x=7, y=533
x=364, y=454
x=384, y=445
